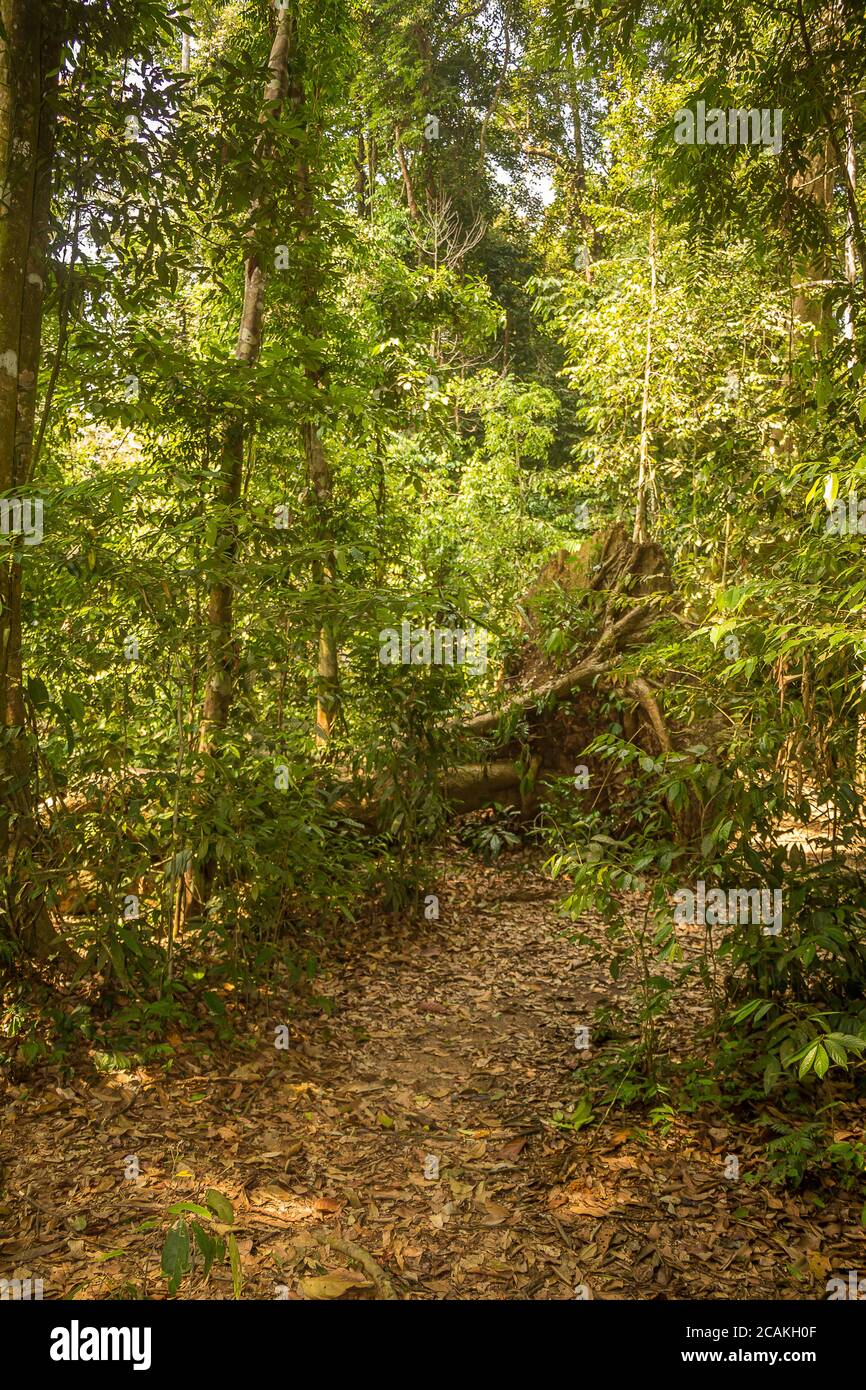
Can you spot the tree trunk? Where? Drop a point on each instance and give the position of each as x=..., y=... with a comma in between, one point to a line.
x=858, y=238
x=324, y=574
x=578, y=216
x=186, y=46
x=30, y=47
x=808, y=299
x=644, y=477
x=316, y=459
x=361, y=201
x=407, y=179
x=219, y=689
x=220, y=681
x=497, y=92
x=850, y=248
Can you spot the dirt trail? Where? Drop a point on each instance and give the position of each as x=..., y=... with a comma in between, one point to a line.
x=413, y=1120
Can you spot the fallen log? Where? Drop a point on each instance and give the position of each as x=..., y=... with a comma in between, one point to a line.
x=622, y=570
x=578, y=677
x=581, y=677
x=465, y=788
x=620, y=574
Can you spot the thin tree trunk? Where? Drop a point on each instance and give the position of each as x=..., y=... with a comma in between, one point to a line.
x=219, y=689
x=324, y=575
x=30, y=47
x=372, y=167
x=644, y=476
x=222, y=655
x=808, y=306
x=497, y=93
x=857, y=235
x=809, y=323
x=848, y=327
x=850, y=250
x=186, y=47
x=407, y=181
x=315, y=456
x=361, y=200
x=578, y=216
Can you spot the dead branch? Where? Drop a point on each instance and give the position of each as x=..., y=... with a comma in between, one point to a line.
x=359, y=1257
x=580, y=677
x=648, y=702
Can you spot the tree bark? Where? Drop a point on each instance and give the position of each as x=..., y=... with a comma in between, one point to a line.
x=850, y=250
x=856, y=226
x=219, y=689
x=579, y=219
x=497, y=93
x=316, y=459
x=186, y=48
x=362, y=207
x=807, y=307
x=220, y=680
x=324, y=574
x=407, y=180
x=644, y=477
x=30, y=47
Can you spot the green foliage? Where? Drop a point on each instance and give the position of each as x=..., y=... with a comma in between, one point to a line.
x=490, y=836
x=191, y=1247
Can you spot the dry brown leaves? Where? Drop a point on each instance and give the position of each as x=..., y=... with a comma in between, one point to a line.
x=413, y=1125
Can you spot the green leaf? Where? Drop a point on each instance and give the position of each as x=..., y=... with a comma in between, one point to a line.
x=207, y=1244
x=220, y=1206
x=177, y=1207
x=772, y=1072
x=235, y=1262
x=38, y=692
x=808, y=1059
x=175, y=1255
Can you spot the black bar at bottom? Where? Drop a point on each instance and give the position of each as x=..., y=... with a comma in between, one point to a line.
x=85, y=1341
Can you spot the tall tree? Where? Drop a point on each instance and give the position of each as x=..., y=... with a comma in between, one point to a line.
x=222, y=657
x=310, y=249
x=30, y=46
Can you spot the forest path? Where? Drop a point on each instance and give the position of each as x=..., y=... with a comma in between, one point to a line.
x=411, y=1115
